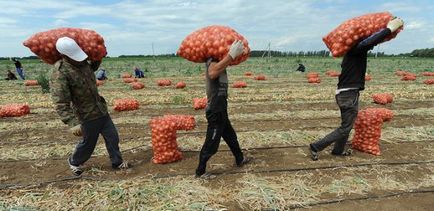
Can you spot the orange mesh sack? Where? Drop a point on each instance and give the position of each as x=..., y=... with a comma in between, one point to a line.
x=382, y=98
x=99, y=82
x=428, y=73
x=137, y=85
x=368, y=129
x=164, y=145
x=199, y=103
x=345, y=36
x=180, y=85
x=14, y=110
x=43, y=44
x=239, y=84
x=164, y=82
x=126, y=104
x=31, y=83
x=428, y=81
x=212, y=42
x=260, y=78
x=129, y=80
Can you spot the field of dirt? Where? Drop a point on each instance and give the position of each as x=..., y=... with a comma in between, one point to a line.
x=275, y=120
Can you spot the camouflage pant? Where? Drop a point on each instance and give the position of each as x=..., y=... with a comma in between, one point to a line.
x=91, y=130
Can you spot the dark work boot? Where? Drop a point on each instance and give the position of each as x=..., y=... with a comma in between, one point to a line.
x=244, y=161
x=200, y=170
x=314, y=154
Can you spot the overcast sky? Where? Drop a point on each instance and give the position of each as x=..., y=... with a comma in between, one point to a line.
x=130, y=27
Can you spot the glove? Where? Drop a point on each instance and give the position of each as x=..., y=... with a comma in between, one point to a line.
x=76, y=130
x=394, y=24
x=237, y=48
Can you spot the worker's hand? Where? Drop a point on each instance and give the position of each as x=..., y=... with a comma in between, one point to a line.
x=76, y=130
x=394, y=24
x=237, y=48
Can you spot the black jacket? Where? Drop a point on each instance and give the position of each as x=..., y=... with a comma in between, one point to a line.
x=355, y=61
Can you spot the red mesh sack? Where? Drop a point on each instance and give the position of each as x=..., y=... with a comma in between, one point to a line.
x=368, y=77
x=409, y=77
x=368, y=129
x=129, y=80
x=401, y=73
x=428, y=81
x=126, y=75
x=239, y=84
x=260, y=78
x=31, y=83
x=248, y=73
x=43, y=44
x=382, y=98
x=199, y=103
x=212, y=41
x=126, y=104
x=180, y=85
x=333, y=73
x=164, y=82
x=312, y=75
x=99, y=83
x=313, y=80
x=14, y=110
x=163, y=129
x=137, y=85
x=346, y=35
x=428, y=73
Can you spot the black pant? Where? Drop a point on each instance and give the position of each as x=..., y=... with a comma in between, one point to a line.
x=91, y=130
x=348, y=102
x=219, y=126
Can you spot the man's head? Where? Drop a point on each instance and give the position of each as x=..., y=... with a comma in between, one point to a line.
x=70, y=50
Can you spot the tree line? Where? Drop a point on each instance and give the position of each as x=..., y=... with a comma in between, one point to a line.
x=427, y=52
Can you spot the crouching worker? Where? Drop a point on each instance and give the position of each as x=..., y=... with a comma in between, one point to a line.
x=10, y=76
x=351, y=82
x=79, y=105
x=216, y=111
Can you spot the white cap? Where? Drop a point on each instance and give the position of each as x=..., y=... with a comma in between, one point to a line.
x=70, y=48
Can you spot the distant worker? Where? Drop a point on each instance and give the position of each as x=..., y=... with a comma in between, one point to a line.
x=138, y=73
x=301, y=68
x=79, y=105
x=10, y=76
x=351, y=82
x=217, y=111
x=101, y=75
x=19, y=68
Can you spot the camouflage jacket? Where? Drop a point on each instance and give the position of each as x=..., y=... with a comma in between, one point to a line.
x=75, y=94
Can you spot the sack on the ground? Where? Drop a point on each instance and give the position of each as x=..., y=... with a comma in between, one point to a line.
x=239, y=84
x=31, y=83
x=126, y=104
x=137, y=85
x=212, y=42
x=43, y=44
x=14, y=110
x=368, y=129
x=199, y=103
x=382, y=98
x=180, y=85
x=164, y=145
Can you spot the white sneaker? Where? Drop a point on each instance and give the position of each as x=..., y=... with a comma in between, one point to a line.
x=123, y=165
x=76, y=170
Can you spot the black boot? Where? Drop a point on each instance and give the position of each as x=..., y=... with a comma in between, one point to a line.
x=201, y=169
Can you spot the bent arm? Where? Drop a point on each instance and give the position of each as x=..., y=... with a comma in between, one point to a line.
x=61, y=97
x=216, y=68
x=373, y=40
